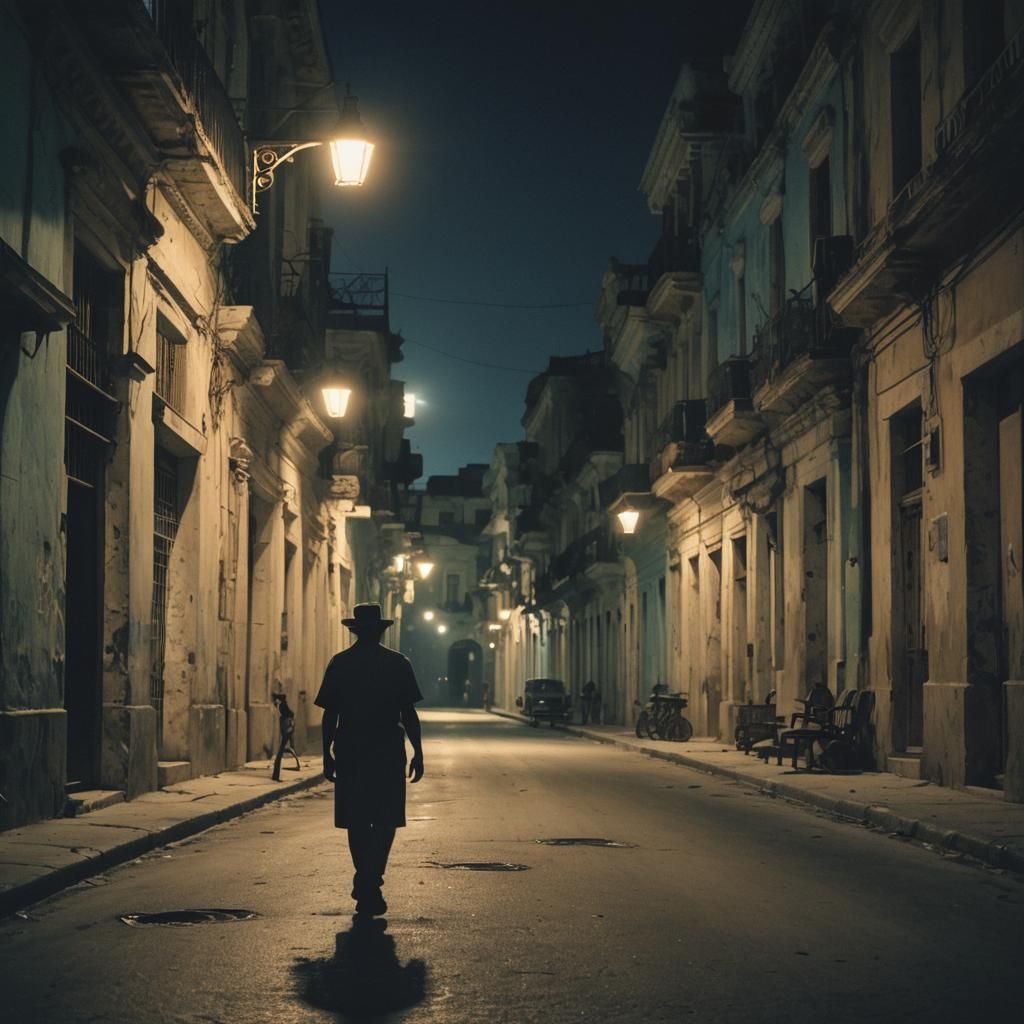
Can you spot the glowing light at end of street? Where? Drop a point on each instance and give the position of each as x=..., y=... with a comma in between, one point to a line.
x=428, y=616
x=442, y=629
x=505, y=614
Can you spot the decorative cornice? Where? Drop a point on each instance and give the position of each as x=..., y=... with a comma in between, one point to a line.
x=817, y=72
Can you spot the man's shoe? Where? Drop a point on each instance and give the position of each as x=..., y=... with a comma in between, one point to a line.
x=372, y=906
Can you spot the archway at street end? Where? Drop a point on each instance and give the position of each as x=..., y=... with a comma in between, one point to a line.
x=465, y=674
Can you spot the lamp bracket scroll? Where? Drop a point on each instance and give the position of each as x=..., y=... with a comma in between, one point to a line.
x=266, y=158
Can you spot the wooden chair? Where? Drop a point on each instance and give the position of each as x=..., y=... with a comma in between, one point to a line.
x=840, y=736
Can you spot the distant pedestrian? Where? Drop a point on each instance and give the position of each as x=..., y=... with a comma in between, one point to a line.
x=487, y=697
x=589, y=699
x=286, y=728
x=368, y=696
x=466, y=694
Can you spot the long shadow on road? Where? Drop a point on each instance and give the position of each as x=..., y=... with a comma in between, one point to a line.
x=364, y=980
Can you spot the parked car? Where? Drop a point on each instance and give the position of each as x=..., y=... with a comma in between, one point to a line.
x=545, y=699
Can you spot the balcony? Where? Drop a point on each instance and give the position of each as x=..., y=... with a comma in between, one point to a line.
x=633, y=284
x=732, y=420
x=969, y=189
x=407, y=467
x=584, y=552
x=165, y=74
x=358, y=302
x=684, y=452
x=584, y=446
x=796, y=354
x=673, y=275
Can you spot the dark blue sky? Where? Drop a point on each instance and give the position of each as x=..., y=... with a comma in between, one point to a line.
x=510, y=143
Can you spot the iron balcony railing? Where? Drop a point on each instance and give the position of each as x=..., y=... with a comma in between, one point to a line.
x=359, y=300
x=728, y=382
x=634, y=282
x=788, y=334
x=681, y=439
x=595, y=546
x=583, y=445
x=199, y=78
x=1005, y=67
x=673, y=254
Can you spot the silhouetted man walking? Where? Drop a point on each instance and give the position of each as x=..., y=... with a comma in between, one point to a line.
x=368, y=696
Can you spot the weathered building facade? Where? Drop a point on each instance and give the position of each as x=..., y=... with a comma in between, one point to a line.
x=177, y=506
x=819, y=376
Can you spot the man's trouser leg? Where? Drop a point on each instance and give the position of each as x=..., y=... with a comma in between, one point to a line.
x=370, y=846
x=277, y=762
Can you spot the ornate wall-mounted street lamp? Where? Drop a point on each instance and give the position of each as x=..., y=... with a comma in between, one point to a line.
x=424, y=568
x=336, y=400
x=348, y=145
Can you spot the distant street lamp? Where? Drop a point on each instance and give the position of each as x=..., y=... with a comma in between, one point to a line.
x=349, y=148
x=399, y=563
x=424, y=568
x=491, y=645
x=505, y=614
x=628, y=518
x=442, y=629
x=428, y=616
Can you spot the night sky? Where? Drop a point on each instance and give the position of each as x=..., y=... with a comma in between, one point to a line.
x=510, y=143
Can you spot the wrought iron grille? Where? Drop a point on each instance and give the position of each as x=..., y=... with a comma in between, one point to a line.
x=89, y=409
x=165, y=529
x=170, y=371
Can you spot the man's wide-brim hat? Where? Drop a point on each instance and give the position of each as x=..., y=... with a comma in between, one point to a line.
x=366, y=616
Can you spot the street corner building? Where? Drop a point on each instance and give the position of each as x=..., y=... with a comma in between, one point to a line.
x=202, y=442
x=806, y=407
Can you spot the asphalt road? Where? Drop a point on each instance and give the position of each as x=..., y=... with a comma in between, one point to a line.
x=730, y=906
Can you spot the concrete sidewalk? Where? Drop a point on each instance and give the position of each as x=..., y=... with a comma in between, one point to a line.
x=41, y=859
x=975, y=823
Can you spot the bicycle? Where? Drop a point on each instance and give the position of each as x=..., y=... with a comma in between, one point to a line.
x=661, y=718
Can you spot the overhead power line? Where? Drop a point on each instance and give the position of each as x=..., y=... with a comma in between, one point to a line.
x=472, y=362
x=494, y=305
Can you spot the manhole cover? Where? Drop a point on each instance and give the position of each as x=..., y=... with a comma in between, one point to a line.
x=586, y=842
x=180, y=917
x=474, y=865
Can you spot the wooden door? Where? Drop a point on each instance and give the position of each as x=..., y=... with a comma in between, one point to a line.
x=909, y=696
x=1011, y=528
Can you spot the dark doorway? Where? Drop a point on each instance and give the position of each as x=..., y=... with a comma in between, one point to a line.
x=816, y=605
x=166, y=518
x=89, y=411
x=82, y=664
x=465, y=674
x=910, y=654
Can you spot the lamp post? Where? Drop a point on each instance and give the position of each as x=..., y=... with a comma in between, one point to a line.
x=349, y=148
x=424, y=568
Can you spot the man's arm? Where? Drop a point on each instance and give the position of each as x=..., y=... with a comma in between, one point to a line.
x=329, y=730
x=411, y=721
